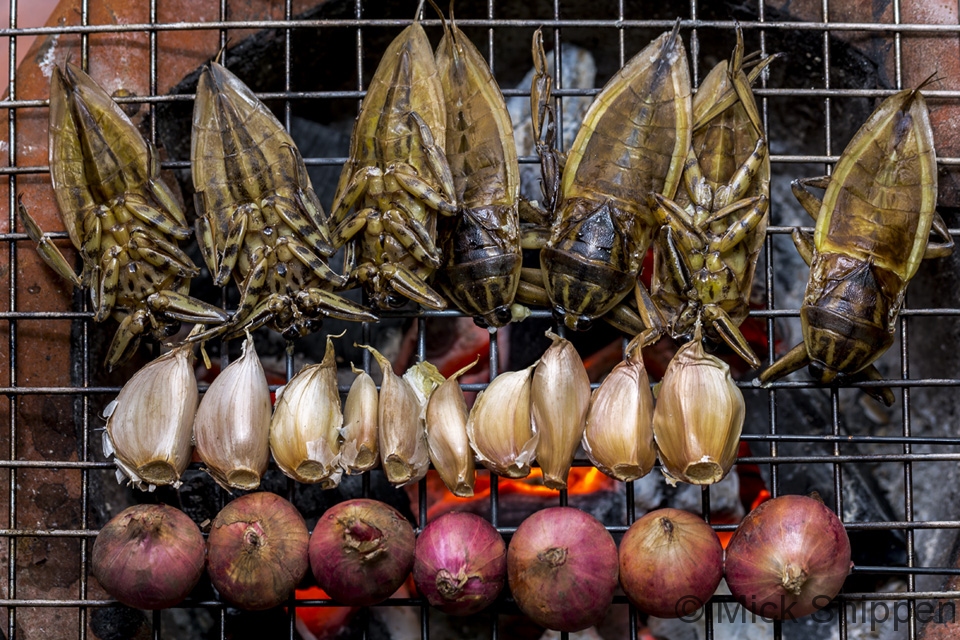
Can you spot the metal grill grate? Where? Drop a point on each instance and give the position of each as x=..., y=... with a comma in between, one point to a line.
x=52, y=363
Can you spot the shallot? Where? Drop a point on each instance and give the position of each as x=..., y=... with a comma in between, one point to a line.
x=361, y=551
x=562, y=568
x=460, y=564
x=788, y=558
x=150, y=556
x=670, y=560
x=257, y=551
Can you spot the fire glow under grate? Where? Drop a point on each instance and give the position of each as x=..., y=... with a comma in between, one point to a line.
x=891, y=474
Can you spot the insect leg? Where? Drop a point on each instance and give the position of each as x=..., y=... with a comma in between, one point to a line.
x=795, y=359
x=728, y=331
x=669, y=213
x=437, y=161
x=45, y=247
x=804, y=242
x=310, y=260
x=271, y=307
x=315, y=302
x=540, y=88
x=742, y=179
x=725, y=100
x=127, y=338
x=624, y=318
x=675, y=262
x=350, y=259
x=413, y=236
x=310, y=231
x=881, y=394
x=743, y=225
x=416, y=186
x=311, y=204
x=162, y=261
x=252, y=288
x=807, y=200
x=182, y=307
x=206, y=234
x=409, y=284
x=163, y=195
x=108, y=283
x=649, y=314
x=699, y=190
x=232, y=244
x=939, y=249
x=163, y=254
x=154, y=217
x=352, y=226
x=741, y=84
x=359, y=184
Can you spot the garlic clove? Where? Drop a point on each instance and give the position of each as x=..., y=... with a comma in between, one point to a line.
x=232, y=426
x=359, y=451
x=698, y=417
x=500, y=428
x=561, y=397
x=305, y=429
x=446, y=428
x=149, y=425
x=618, y=437
x=403, y=446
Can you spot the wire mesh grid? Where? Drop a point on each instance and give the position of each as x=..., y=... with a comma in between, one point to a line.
x=64, y=608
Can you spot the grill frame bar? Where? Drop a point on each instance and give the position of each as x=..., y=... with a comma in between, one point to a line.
x=690, y=25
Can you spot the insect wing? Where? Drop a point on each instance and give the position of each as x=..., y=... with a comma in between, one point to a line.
x=480, y=145
x=405, y=82
x=67, y=174
x=117, y=157
x=649, y=98
x=882, y=194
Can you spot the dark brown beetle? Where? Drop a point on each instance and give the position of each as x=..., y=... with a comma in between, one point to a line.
x=872, y=230
x=632, y=143
x=481, y=244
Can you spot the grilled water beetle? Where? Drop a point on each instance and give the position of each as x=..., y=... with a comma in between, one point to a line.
x=119, y=215
x=632, y=143
x=259, y=218
x=706, y=251
x=397, y=179
x=872, y=230
x=481, y=244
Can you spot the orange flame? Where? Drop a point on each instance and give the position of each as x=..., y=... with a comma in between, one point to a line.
x=321, y=623
x=582, y=480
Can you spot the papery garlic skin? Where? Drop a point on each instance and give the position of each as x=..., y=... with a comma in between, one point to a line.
x=500, y=428
x=403, y=444
x=360, y=449
x=446, y=427
x=305, y=429
x=618, y=437
x=232, y=427
x=698, y=417
x=561, y=397
x=150, y=424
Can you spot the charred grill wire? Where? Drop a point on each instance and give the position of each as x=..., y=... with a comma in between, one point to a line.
x=53, y=480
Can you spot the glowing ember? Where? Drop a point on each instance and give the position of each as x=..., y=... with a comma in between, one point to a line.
x=582, y=481
x=321, y=623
